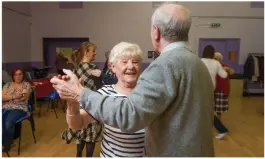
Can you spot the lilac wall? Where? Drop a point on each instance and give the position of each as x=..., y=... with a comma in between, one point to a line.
x=10, y=66
x=16, y=32
x=25, y=65
x=224, y=46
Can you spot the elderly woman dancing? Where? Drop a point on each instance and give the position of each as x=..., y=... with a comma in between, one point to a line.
x=125, y=60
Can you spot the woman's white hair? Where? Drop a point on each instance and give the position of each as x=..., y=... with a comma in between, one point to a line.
x=218, y=56
x=125, y=49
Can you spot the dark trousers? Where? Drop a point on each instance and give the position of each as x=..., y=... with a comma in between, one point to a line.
x=90, y=146
x=219, y=125
x=9, y=119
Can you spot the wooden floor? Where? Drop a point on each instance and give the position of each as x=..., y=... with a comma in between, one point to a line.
x=245, y=121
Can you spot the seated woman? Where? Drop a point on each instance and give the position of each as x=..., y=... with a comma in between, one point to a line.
x=125, y=60
x=15, y=102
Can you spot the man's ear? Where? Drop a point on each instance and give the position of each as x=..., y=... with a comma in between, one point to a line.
x=156, y=33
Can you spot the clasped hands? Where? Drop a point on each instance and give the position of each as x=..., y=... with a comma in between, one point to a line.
x=67, y=86
x=18, y=97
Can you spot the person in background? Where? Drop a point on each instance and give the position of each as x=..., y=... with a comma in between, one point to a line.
x=215, y=68
x=90, y=131
x=15, y=97
x=222, y=89
x=106, y=75
x=107, y=64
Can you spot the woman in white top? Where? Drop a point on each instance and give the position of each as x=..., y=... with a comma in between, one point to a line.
x=213, y=65
x=125, y=60
x=215, y=68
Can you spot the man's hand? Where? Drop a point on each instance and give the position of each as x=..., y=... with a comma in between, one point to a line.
x=67, y=86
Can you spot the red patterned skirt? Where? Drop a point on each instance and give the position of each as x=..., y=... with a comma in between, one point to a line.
x=221, y=102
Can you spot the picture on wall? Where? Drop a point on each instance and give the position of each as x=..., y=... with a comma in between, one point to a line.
x=66, y=51
x=150, y=54
x=232, y=55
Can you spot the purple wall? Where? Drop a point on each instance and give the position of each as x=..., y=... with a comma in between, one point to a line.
x=27, y=65
x=257, y=4
x=224, y=46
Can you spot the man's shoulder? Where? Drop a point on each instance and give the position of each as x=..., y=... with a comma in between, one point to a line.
x=180, y=56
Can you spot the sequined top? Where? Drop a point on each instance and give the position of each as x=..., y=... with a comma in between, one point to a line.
x=16, y=103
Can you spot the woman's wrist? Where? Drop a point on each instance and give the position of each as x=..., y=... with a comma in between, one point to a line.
x=72, y=112
x=78, y=93
x=73, y=108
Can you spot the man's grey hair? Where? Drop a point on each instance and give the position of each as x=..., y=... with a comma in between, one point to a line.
x=125, y=49
x=172, y=28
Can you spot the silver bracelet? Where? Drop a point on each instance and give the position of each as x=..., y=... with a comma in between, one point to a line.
x=75, y=96
x=72, y=115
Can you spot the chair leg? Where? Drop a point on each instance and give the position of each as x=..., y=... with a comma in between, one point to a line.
x=7, y=154
x=62, y=103
x=48, y=105
x=57, y=101
x=55, y=110
x=35, y=141
x=33, y=129
x=39, y=110
x=32, y=124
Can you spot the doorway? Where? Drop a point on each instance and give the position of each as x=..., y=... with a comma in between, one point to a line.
x=230, y=49
x=51, y=45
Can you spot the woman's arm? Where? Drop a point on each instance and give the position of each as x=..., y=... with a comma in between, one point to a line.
x=6, y=97
x=86, y=118
x=73, y=116
x=229, y=69
x=220, y=71
x=77, y=119
x=95, y=72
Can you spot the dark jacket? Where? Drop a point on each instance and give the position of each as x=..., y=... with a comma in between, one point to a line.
x=249, y=67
